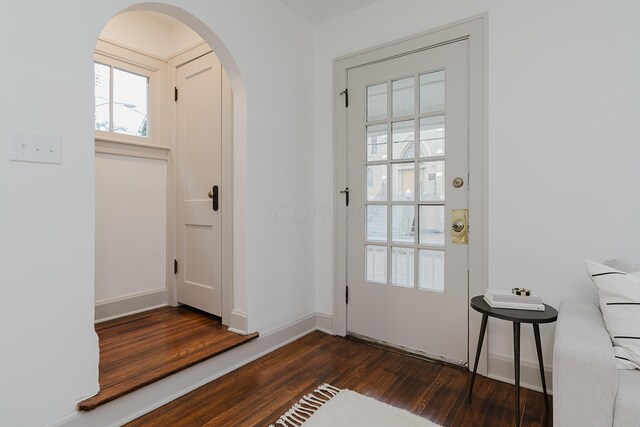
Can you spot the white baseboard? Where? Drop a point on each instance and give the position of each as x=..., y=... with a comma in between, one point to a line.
x=129, y=304
x=324, y=323
x=238, y=322
x=501, y=369
x=144, y=400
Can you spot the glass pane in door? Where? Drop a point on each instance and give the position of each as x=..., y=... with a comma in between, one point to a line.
x=432, y=92
x=376, y=183
x=377, y=264
x=402, y=180
x=377, y=102
x=431, y=270
x=403, y=96
x=403, y=139
x=432, y=181
x=432, y=225
x=403, y=224
x=432, y=136
x=402, y=267
x=376, y=143
x=377, y=223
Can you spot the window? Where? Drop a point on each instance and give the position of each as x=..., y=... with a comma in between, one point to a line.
x=121, y=101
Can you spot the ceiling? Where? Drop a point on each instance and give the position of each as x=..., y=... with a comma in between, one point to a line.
x=169, y=20
x=316, y=11
x=319, y=11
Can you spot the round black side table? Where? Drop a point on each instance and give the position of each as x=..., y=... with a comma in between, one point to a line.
x=549, y=315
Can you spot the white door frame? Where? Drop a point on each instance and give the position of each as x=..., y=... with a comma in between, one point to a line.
x=226, y=186
x=474, y=30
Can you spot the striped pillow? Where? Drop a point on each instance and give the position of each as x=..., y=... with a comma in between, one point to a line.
x=619, y=295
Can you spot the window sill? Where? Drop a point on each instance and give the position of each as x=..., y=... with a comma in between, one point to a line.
x=123, y=147
x=122, y=141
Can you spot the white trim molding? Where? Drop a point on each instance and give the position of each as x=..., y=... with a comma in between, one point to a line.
x=324, y=323
x=131, y=149
x=113, y=308
x=239, y=322
x=108, y=47
x=501, y=368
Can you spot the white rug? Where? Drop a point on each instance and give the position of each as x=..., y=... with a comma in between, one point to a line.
x=329, y=406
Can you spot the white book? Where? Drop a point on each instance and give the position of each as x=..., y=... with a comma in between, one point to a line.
x=513, y=305
x=505, y=295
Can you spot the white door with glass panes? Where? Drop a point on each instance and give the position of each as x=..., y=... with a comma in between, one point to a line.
x=407, y=135
x=199, y=174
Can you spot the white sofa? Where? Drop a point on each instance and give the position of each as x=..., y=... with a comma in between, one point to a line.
x=588, y=390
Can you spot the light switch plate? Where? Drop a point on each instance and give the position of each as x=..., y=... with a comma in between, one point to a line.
x=36, y=147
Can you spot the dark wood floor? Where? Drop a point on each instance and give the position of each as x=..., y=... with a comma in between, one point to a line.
x=140, y=349
x=258, y=393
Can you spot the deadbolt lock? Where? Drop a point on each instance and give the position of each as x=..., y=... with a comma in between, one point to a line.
x=460, y=226
x=458, y=182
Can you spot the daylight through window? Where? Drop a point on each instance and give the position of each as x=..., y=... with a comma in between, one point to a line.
x=121, y=101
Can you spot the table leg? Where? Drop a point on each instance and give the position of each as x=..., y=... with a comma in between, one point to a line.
x=536, y=333
x=516, y=364
x=483, y=328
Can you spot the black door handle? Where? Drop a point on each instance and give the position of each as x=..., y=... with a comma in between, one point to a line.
x=214, y=191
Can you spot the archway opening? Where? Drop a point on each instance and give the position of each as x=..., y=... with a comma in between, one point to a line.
x=169, y=108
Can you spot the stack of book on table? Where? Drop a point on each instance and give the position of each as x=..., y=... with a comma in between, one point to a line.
x=504, y=298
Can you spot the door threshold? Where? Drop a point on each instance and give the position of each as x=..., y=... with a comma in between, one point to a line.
x=407, y=351
x=143, y=348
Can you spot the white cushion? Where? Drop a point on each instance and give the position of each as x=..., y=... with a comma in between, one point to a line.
x=619, y=295
x=627, y=406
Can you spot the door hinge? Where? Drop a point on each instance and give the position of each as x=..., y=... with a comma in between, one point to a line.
x=346, y=295
x=346, y=97
x=175, y=266
x=346, y=193
x=175, y=94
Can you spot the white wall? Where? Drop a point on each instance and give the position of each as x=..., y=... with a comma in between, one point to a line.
x=131, y=208
x=563, y=138
x=47, y=212
x=148, y=34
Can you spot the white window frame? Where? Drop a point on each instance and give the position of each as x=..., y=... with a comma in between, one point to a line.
x=132, y=62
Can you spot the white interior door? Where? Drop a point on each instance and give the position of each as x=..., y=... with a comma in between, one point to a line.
x=199, y=155
x=407, y=136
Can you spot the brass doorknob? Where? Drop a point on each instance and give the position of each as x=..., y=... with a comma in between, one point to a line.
x=210, y=194
x=458, y=226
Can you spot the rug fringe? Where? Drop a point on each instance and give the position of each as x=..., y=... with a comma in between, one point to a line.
x=307, y=406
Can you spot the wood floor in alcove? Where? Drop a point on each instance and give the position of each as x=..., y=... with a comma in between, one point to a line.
x=258, y=393
x=140, y=349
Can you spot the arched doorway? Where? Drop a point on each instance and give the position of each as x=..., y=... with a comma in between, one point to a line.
x=155, y=226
